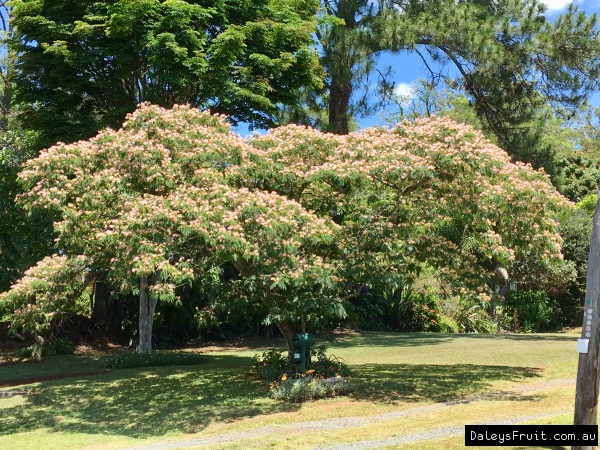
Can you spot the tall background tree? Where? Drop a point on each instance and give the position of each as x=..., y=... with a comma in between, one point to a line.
x=507, y=57
x=24, y=238
x=82, y=65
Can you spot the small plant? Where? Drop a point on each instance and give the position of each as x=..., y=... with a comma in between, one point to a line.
x=33, y=351
x=447, y=325
x=324, y=365
x=418, y=311
x=271, y=365
x=60, y=347
x=324, y=376
x=473, y=319
x=129, y=360
x=310, y=387
x=56, y=347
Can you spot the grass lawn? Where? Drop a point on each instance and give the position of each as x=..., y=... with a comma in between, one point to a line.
x=133, y=407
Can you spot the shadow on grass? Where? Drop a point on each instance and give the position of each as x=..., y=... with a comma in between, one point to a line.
x=419, y=339
x=145, y=402
x=150, y=402
x=50, y=365
x=440, y=383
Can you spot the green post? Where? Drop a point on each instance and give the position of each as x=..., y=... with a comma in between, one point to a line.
x=301, y=341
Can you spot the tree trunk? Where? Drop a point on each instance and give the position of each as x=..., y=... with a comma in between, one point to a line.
x=100, y=307
x=6, y=99
x=339, y=102
x=5, y=102
x=147, y=307
x=106, y=312
x=287, y=330
x=586, y=392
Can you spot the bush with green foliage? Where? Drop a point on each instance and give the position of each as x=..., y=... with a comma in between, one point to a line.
x=532, y=273
x=418, y=312
x=60, y=347
x=447, y=325
x=31, y=351
x=472, y=318
x=576, y=231
x=310, y=387
x=405, y=310
x=273, y=364
x=130, y=360
x=588, y=204
x=367, y=312
x=47, y=294
x=55, y=347
x=5, y=313
x=325, y=365
x=580, y=175
x=531, y=311
x=562, y=280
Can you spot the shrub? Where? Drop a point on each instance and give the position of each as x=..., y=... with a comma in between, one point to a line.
x=531, y=311
x=326, y=366
x=575, y=230
x=273, y=364
x=129, y=360
x=535, y=273
x=368, y=312
x=55, y=347
x=5, y=313
x=418, y=312
x=473, y=319
x=33, y=351
x=55, y=284
x=448, y=325
x=310, y=387
x=588, y=204
x=60, y=347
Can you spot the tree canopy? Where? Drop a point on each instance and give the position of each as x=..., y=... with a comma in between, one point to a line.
x=156, y=204
x=82, y=65
x=509, y=59
x=304, y=217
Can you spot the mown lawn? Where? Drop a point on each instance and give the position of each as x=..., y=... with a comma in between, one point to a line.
x=132, y=407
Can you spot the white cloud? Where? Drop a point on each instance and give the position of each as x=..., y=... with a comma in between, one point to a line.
x=556, y=4
x=404, y=90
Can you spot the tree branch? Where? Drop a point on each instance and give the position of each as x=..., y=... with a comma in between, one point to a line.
x=479, y=97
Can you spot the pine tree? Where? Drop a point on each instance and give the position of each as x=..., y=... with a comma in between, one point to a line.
x=511, y=61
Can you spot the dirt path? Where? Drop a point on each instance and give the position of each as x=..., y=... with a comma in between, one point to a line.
x=355, y=421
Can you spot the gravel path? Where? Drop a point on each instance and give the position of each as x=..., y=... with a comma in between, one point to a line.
x=431, y=434
x=355, y=421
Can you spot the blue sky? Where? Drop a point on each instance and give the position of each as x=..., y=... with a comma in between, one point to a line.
x=407, y=67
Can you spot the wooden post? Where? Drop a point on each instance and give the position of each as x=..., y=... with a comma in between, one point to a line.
x=586, y=394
